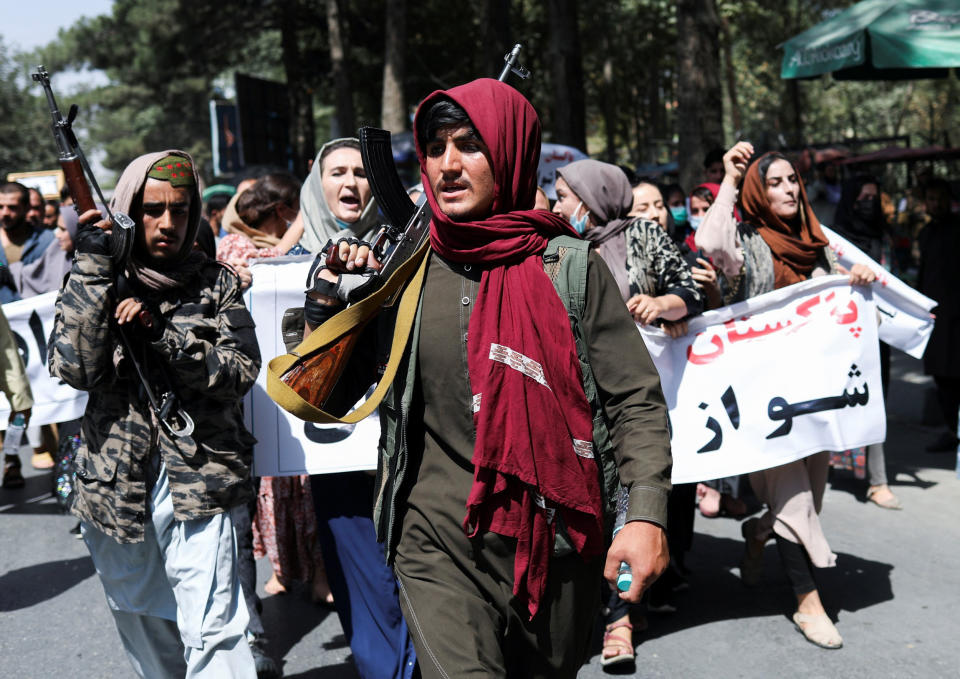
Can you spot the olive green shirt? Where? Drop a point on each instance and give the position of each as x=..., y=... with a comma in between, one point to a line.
x=441, y=430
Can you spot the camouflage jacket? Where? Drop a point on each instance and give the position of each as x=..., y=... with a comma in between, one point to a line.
x=209, y=352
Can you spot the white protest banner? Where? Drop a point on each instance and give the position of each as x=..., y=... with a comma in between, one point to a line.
x=773, y=379
x=905, y=320
x=553, y=156
x=31, y=321
x=287, y=445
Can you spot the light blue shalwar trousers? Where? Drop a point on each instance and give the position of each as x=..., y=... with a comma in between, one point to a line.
x=176, y=596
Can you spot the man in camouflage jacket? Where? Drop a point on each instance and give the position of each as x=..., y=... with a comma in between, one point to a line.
x=156, y=508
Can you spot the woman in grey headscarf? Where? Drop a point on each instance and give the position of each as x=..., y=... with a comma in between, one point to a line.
x=336, y=202
x=656, y=284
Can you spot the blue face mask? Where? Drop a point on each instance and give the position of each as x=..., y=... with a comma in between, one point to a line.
x=679, y=214
x=342, y=224
x=695, y=222
x=579, y=223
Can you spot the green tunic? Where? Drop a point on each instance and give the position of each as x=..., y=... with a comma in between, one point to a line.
x=448, y=582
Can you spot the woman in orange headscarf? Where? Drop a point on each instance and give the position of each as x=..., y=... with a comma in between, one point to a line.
x=778, y=243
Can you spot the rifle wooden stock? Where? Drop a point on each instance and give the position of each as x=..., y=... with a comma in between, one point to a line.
x=77, y=184
x=301, y=381
x=314, y=377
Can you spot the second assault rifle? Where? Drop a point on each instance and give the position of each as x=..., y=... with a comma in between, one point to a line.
x=302, y=381
x=79, y=178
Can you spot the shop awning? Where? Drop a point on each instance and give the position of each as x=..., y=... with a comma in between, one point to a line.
x=879, y=40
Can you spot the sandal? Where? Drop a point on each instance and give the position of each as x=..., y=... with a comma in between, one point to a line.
x=622, y=650
x=12, y=476
x=818, y=630
x=892, y=502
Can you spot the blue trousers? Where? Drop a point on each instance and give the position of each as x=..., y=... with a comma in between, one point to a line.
x=364, y=587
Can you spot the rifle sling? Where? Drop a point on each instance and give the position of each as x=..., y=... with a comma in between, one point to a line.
x=340, y=325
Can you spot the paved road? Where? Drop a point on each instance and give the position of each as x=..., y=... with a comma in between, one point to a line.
x=895, y=591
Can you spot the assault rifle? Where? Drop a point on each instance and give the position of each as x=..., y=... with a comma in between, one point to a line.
x=302, y=380
x=79, y=178
x=408, y=223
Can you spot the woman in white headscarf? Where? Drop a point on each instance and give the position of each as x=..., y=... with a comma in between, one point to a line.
x=335, y=201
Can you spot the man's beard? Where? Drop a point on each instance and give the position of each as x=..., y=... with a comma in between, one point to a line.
x=15, y=224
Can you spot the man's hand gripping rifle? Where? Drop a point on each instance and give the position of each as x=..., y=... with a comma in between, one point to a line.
x=408, y=223
x=79, y=178
x=314, y=367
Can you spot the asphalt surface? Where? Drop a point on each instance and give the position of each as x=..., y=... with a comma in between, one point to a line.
x=894, y=593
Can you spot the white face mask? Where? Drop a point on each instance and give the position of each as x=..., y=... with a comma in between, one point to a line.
x=695, y=222
x=579, y=223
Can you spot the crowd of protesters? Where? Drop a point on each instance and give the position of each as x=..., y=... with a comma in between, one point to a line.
x=408, y=575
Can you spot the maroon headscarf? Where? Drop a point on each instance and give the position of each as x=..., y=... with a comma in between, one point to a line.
x=533, y=456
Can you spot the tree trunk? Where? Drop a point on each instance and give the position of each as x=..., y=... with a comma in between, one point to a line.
x=393, y=113
x=608, y=91
x=608, y=97
x=497, y=38
x=727, y=43
x=344, y=122
x=568, y=113
x=699, y=96
x=796, y=112
x=299, y=95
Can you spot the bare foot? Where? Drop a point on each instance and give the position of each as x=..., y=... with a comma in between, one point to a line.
x=274, y=586
x=321, y=588
x=619, y=640
x=710, y=502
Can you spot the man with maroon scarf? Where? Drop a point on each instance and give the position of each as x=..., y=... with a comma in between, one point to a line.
x=487, y=452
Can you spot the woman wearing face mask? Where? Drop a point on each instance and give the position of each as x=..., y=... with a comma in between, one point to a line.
x=336, y=203
x=596, y=199
x=778, y=243
x=676, y=201
x=701, y=198
x=859, y=219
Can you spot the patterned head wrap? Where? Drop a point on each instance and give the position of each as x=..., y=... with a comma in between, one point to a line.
x=174, y=169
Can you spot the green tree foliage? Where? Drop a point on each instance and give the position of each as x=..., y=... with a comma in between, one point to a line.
x=164, y=61
x=821, y=110
x=155, y=99
x=24, y=121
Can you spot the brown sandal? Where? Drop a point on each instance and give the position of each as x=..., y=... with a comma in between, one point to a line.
x=623, y=650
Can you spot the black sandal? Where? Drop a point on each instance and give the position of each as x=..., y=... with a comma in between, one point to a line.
x=12, y=476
